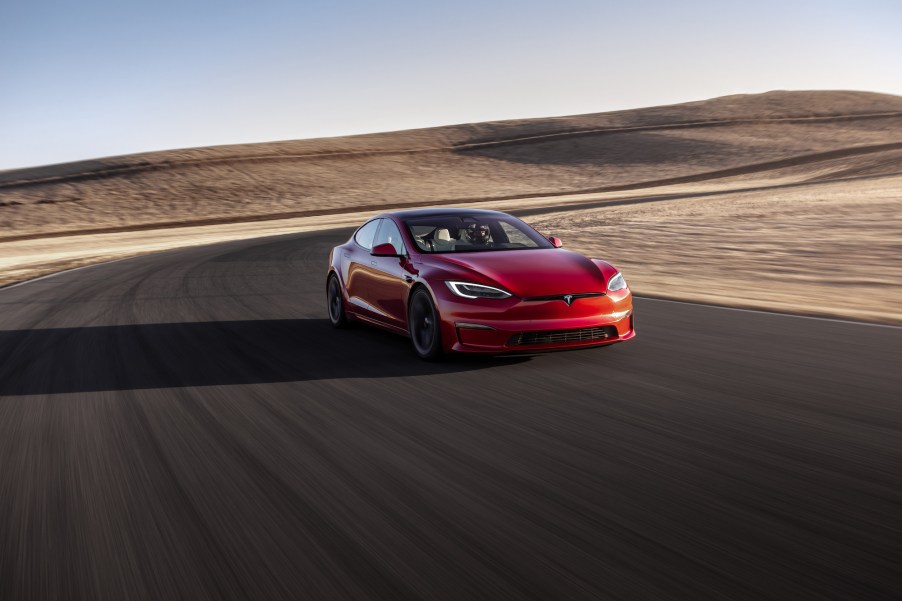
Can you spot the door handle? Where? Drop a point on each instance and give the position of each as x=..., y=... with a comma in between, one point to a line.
x=373, y=263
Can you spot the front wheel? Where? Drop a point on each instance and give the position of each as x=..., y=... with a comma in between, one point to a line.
x=336, y=303
x=423, y=325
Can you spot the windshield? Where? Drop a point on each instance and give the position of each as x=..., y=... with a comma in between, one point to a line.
x=456, y=233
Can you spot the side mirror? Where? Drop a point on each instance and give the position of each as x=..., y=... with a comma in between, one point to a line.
x=555, y=241
x=385, y=250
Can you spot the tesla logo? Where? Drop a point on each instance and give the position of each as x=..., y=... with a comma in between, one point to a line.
x=568, y=298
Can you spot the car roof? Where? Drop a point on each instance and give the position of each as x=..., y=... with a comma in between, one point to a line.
x=438, y=211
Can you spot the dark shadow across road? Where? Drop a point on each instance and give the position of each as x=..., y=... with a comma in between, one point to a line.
x=168, y=355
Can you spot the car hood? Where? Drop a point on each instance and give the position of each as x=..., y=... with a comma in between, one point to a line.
x=527, y=273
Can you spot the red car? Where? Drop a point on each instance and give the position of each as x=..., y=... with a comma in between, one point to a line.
x=464, y=280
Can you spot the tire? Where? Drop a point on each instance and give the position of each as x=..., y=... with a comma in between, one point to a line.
x=335, y=303
x=424, y=326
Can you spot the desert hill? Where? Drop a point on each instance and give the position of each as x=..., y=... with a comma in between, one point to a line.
x=781, y=135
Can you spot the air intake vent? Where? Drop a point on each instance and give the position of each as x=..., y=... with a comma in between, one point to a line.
x=563, y=336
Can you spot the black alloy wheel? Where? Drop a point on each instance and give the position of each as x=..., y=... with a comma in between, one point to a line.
x=337, y=316
x=423, y=325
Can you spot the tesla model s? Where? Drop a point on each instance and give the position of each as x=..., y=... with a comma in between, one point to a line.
x=474, y=281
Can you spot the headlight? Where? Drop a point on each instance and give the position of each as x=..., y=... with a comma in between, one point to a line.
x=468, y=290
x=616, y=282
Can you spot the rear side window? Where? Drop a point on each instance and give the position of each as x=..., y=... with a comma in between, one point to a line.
x=389, y=234
x=364, y=236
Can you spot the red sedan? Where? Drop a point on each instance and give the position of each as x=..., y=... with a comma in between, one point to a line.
x=463, y=280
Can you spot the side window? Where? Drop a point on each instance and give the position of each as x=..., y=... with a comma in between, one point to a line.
x=364, y=236
x=389, y=234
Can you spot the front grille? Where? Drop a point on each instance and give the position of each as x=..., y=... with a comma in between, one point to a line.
x=563, y=336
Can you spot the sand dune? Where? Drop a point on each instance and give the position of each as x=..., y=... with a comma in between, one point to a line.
x=542, y=157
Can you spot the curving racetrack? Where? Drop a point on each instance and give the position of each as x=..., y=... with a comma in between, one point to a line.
x=186, y=425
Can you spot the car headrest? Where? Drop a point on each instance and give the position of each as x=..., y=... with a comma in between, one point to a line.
x=442, y=234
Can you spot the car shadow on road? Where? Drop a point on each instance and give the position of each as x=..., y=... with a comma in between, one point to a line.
x=169, y=355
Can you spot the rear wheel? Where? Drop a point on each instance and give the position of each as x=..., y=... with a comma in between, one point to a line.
x=336, y=303
x=423, y=325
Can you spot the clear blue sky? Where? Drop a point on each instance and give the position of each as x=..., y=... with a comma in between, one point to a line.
x=90, y=78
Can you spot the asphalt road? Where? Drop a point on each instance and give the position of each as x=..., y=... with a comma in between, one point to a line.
x=186, y=425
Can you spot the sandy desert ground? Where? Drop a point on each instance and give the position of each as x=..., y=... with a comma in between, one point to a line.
x=789, y=201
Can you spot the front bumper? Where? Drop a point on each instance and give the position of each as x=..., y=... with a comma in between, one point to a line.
x=519, y=326
x=546, y=337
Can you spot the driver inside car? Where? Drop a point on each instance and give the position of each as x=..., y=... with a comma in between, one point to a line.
x=479, y=233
